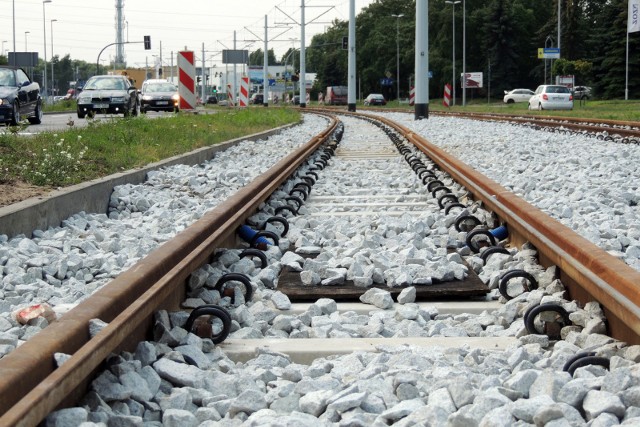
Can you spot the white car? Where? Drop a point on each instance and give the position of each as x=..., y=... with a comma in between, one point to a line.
x=551, y=97
x=517, y=95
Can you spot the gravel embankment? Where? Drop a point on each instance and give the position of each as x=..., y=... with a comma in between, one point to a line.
x=182, y=380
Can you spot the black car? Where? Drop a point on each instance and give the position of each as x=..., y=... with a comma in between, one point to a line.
x=256, y=99
x=108, y=94
x=19, y=97
x=159, y=95
x=582, y=92
x=212, y=99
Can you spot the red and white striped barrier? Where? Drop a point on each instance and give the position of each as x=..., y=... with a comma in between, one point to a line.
x=446, y=100
x=186, y=80
x=243, y=99
x=230, y=95
x=412, y=96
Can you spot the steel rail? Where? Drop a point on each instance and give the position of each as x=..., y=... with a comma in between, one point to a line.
x=32, y=386
x=589, y=272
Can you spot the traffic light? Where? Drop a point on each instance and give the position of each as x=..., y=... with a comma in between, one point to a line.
x=345, y=43
x=215, y=89
x=147, y=42
x=198, y=79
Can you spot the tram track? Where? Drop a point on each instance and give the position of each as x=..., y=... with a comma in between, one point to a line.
x=607, y=130
x=157, y=282
x=601, y=129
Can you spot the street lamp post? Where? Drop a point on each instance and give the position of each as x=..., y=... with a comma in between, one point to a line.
x=464, y=53
x=53, y=82
x=453, y=20
x=44, y=45
x=398, y=54
x=26, y=49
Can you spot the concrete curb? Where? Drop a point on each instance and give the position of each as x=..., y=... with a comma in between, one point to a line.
x=42, y=212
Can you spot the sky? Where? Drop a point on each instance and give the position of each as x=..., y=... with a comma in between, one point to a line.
x=83, y=28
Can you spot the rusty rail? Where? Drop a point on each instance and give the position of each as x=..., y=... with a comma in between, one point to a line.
x=589, y=272
x=32, y=386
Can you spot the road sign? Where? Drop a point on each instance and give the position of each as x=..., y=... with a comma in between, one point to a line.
x=385, y=81
x=473, y=80
x=548, y=53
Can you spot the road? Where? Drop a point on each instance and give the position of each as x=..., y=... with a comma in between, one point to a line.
x=56, y=122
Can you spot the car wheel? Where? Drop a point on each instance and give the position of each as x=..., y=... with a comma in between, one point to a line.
x=510, y=101
x=529, y=107
x=143, y=110
x=540, y=107
x=15, y=120
x=37, y=115
x=81, y=114
x=176, y=110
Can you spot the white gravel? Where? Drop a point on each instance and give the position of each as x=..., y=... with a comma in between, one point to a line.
x=182, y=380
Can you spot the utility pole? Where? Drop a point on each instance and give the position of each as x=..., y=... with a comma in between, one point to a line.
x=303, y=68
x=351, y=73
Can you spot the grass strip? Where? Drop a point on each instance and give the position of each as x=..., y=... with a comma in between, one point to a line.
x=59, y=159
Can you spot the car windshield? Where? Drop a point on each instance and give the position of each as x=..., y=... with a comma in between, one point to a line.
x=160, y=87
x=105, y=84
x=7, y=77
x=558, y=89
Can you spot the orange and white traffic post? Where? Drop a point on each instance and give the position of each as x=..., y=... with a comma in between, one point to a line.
x=446, y=99
x=186, y=80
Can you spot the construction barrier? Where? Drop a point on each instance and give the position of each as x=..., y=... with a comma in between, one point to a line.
x=446, y=99
x=230, y=95
x=243, y=99
x=412, y=96
x=186, y=80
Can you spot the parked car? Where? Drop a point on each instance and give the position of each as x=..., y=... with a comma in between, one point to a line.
x=159, y=95
x=296, y=100
x=517, y=95
x=551, y=97
x=375, y=99
x=108, y=94
x=256, y=98
x=19, y=97
x=212, y=99
x=582, y=92
x=336, y=95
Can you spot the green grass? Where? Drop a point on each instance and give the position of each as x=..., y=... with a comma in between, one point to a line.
x=80, y=154
x=593, y=109
x=60, y=106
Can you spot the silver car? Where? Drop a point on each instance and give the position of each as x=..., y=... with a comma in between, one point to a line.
x=109, y=95
x=551, y=97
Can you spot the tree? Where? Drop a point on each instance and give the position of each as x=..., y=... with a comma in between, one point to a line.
x=504, y=34
x=257, y=57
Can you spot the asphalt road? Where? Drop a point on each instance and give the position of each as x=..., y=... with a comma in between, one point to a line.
x=54, y=122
